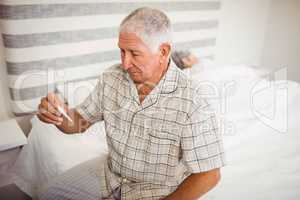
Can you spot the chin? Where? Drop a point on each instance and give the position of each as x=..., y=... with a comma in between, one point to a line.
x=136, y=79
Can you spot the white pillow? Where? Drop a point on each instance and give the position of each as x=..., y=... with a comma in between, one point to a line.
x=230, y=89
x=50, y=152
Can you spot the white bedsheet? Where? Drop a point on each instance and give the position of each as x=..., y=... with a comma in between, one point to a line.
x=263, y=163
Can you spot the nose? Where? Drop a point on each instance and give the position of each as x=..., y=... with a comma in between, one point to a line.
x=126, y=62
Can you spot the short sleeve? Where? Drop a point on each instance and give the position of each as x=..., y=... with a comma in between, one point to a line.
x=201, y=141
x=91, y=108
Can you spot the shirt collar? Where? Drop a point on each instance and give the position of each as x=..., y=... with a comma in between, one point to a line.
x=167, y=84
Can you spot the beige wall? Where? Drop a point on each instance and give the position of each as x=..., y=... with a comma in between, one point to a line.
x=242, y=31
x=282, y=40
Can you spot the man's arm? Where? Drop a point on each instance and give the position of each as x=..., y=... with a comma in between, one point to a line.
x=196, y=185
x=49, y=113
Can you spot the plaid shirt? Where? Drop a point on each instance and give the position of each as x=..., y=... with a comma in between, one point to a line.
x=153, y=145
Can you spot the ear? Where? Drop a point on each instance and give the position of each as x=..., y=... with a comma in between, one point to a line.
x=164, y=52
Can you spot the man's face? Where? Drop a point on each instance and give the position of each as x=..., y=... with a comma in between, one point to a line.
x=138, y=60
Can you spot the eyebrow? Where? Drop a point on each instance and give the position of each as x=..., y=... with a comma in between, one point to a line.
x=135, y=51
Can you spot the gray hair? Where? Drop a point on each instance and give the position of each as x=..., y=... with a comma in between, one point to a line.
x=151, y=25
x=177, y=57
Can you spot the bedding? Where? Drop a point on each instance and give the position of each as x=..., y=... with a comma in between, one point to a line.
x=262, y=160
x=50, y=152
x=262, y=163
x=228, y=89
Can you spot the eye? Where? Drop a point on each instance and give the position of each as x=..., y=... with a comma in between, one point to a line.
x=134, y=54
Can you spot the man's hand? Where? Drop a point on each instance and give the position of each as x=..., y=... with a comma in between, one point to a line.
x=196, y=185
x=48, y=109
x=48, y=112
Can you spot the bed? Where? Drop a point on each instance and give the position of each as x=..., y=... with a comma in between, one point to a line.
x=262, y=156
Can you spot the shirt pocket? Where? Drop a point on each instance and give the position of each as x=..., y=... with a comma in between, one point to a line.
x=162, y=146
x=163, y=137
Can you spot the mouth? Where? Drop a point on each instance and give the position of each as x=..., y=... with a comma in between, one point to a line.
x=133, y=71
x=135, y=75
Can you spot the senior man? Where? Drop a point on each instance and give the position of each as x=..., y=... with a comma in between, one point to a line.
x=162, y=138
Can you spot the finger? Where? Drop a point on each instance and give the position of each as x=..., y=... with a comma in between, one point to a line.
x=42, y=118
x=45, y=105
x=54, y=100
x=47, y=120
x=50, y=115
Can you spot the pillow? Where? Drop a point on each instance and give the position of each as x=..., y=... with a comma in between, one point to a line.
x=229, y=89
x=50, y=152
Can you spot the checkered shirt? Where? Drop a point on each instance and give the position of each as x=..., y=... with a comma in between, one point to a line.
x=153, y=145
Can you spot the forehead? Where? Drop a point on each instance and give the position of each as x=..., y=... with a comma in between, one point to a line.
x=130, y=40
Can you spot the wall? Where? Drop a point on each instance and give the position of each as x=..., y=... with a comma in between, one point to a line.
x=282, y=40
x=242, y=31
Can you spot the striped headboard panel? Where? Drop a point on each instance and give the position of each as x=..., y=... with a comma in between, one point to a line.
x=69, y=43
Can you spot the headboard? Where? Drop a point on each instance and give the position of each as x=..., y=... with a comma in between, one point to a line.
x=67, y=44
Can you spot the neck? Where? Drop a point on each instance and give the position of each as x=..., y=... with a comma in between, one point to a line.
x=146, y=87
